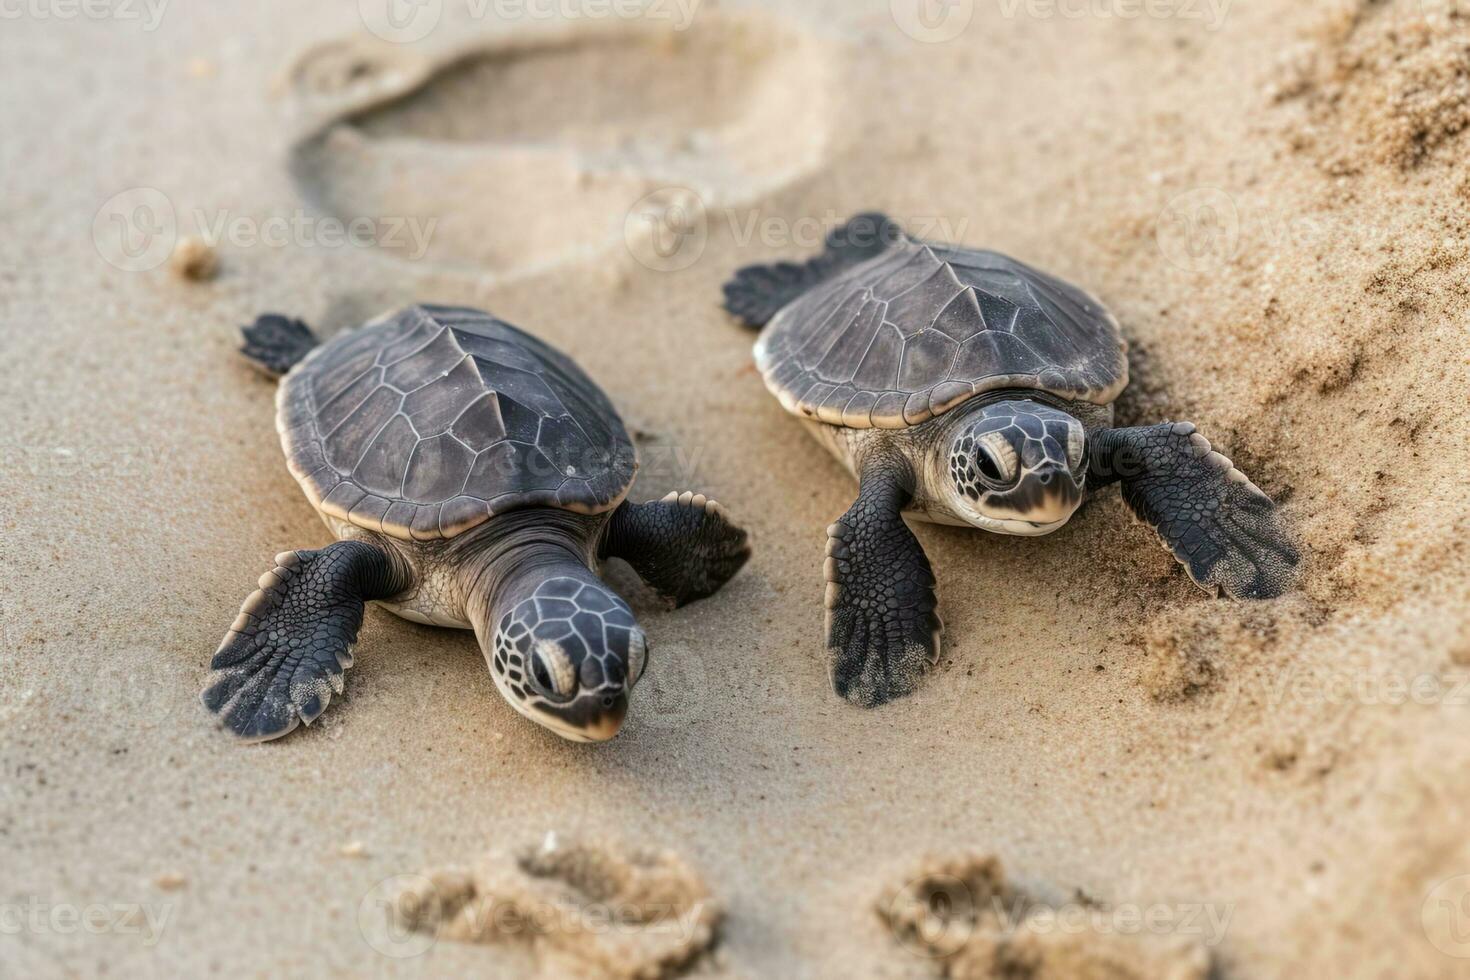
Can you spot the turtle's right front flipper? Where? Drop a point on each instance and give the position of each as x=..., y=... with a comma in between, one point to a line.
x=283, y=658
x=882, y=628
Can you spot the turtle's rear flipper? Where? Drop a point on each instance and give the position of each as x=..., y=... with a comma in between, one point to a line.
x=1219, y=525
x=882, y=628
x=682, y=545
x=275, y=343
x=283, y=659
x=759, y=292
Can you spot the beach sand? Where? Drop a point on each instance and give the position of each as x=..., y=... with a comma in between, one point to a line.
x=1270, y=195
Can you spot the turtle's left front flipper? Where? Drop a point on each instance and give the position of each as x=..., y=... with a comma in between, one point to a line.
x=283, y=659
x=1219, y=525
x=682, y=545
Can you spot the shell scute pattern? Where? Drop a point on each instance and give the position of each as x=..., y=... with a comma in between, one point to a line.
x=434, y=420
x=921, y=328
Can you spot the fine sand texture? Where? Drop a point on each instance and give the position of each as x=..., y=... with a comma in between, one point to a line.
x=1271, y=196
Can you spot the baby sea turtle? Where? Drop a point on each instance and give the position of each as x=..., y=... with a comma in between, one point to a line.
x=474, y=477
x=963, y=387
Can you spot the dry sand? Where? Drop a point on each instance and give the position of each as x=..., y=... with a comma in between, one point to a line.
x=1274, y=205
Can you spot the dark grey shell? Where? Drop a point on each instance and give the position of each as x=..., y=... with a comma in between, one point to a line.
x=432, y=420
x=921, y=328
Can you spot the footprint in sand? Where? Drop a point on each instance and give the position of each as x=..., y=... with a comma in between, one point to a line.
x=583, y=909
x=531, y=147
x=965, y=917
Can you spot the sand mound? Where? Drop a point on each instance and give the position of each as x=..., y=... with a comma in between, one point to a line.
x=583, y=908
x=975, y=925
x=1384, y=83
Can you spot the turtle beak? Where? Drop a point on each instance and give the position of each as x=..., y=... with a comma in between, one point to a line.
x=1057, y=495
x=591, y=718
x=1044, y=498
x=609, y=722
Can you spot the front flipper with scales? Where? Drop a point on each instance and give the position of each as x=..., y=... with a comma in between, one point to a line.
x=882, y=628
x=283, y=658
x=1227, y=534
x=683, y=545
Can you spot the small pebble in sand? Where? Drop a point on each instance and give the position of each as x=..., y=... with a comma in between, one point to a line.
x=195, y=259
x=170, y=881
x=353, y=849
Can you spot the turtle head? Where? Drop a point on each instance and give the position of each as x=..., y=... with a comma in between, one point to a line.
x=1017, y=467
x=567, y=656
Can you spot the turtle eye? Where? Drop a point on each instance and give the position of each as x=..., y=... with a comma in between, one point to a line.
x=996, y=458
x=1076, y=446
x=637, y=658
x=552, y=673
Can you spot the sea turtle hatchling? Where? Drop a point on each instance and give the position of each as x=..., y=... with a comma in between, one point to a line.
x=475, y=478
x=963, y=387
